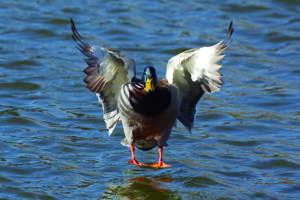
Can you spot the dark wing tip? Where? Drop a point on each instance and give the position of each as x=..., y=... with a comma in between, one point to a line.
x=76, y=36
x=230, y=29
x=72, y=21
x=227, y=40
x=83, y=46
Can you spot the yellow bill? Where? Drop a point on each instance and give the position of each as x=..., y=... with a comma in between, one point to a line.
x=149, y=87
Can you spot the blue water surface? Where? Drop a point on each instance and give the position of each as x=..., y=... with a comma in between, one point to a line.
x=245, y=140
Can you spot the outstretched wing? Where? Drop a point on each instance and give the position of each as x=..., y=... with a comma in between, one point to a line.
x=195, y=72
x=108, y=69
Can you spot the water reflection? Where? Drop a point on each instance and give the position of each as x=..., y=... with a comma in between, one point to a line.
x=142, y=187
x=53, y=140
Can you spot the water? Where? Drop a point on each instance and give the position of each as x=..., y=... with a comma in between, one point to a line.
x=53, y=141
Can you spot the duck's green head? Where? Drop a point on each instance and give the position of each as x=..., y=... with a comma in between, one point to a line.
x=149, y=78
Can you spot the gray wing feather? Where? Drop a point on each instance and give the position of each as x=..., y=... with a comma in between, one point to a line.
x=108, y=69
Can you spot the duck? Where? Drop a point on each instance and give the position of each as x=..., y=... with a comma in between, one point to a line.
x=148, y=107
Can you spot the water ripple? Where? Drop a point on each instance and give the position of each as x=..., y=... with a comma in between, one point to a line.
x=245, y=141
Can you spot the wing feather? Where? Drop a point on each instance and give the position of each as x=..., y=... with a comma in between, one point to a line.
x=196, y=72
x=108, y=69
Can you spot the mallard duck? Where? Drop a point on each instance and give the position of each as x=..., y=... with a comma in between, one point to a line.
x=148, y=108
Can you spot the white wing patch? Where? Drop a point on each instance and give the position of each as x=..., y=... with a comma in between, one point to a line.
x=202, y=65
x=195, y=72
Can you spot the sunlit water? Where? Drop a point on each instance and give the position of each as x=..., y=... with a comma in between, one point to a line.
x=245, y=141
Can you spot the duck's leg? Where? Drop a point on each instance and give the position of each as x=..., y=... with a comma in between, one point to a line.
x=160, y=163
x=133, y=160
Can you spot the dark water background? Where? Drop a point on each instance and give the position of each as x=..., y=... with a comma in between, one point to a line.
x=53, y=141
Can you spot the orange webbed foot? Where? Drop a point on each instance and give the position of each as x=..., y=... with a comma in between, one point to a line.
x=133, y=160
x=159, y=164
x=137, y=163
